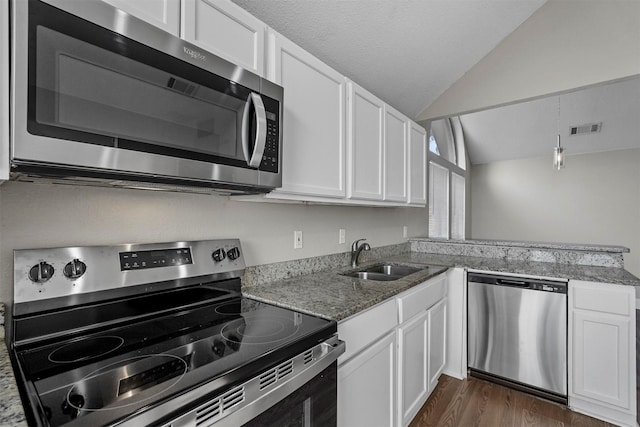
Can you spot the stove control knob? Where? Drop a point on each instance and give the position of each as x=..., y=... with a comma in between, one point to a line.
x=41, y=272
x=233, y=253
x=218, y=255
x=74, y=269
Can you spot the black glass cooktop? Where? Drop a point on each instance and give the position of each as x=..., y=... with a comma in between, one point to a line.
x=120, y=368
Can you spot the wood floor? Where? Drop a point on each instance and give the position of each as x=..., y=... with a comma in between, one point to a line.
x=473, y=402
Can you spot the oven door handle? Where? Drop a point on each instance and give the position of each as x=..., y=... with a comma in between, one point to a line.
x=254, y=157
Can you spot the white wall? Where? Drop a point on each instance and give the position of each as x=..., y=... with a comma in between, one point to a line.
x=564, y=45
x=594, y=199
x=39, y=215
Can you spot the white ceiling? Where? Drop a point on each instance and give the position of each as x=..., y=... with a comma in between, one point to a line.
x=407, y=52
x=529, y=129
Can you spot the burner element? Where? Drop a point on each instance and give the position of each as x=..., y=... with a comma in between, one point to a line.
x=238, y=307
x=258, y=330
x=85, y=349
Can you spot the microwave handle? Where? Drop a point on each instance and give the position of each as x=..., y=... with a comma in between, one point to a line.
x=254, y=159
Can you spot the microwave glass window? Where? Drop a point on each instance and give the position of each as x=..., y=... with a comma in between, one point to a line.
x=89, y=89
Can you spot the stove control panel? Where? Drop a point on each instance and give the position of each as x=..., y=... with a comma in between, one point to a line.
x=46, y=275
x=138, y=260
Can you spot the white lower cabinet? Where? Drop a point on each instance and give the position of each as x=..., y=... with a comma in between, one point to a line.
x=395, y=354
x=602, y=359
x=366, y=386
x=413, y=366
x=421, y=350
x=437, y=342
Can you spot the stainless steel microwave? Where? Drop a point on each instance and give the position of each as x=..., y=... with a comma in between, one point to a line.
x=101, y=94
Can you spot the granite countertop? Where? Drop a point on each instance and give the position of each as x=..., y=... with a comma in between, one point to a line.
x=529, y=245
x=330, y=295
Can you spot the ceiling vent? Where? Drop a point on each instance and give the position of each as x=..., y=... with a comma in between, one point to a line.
x=585, y=129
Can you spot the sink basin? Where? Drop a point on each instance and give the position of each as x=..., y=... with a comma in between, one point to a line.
x=393, y=270
x=373, y=276
x=384, y=273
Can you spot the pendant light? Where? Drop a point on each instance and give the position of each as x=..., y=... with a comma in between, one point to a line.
x=558, y=151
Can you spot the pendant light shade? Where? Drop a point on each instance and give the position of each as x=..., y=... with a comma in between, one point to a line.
x=558, y=151
x=558, y=156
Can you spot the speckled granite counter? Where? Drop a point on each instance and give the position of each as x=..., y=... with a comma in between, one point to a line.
x=333, y=296
x=330, y=295
x=11, y=412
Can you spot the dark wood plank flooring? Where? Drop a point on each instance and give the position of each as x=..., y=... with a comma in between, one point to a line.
x=474, y=402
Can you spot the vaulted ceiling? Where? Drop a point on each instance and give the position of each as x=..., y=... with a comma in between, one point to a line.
x=407, y=52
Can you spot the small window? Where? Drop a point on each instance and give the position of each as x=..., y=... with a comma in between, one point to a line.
x=457, y=206
x=443, y=135
x=447, y=179
x=433, y=144
x=438, y=201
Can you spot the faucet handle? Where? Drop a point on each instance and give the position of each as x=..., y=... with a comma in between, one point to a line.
x=354, y=245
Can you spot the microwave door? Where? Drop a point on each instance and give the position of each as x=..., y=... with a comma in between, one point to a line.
x=109, y=99
x=254, y=130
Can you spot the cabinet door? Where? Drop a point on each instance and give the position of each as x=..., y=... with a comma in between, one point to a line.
x=364, y=159
x=602, y=366
x=366, y=386
x=417, y=165
x=601, y=357
x=313, y=122
x=227, y=30
x=437, y=342
x=456, y=326
x=395, y=155
x=413, y=366
x=164, y=14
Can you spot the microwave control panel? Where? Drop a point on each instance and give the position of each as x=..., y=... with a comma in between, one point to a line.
x=270, y=158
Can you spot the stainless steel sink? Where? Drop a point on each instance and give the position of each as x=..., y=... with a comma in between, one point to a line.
x=386, y=273
x=393, y=270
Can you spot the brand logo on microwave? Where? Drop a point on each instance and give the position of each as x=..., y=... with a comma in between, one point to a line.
x=194, y=53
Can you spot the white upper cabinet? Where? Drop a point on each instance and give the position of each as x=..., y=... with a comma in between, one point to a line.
x=225, y=29
x=365, y=143
x=313, y=123
x=164, y=14
x=395, y=155
x=417, y=164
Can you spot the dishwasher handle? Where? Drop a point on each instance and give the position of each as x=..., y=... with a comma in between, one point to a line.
x=513, y=282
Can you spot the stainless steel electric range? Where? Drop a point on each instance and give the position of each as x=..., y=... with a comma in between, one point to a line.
x=158, y=334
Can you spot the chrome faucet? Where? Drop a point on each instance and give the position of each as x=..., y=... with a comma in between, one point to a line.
x=355, y=251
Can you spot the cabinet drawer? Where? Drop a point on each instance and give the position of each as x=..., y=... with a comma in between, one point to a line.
x=421, y=297
x=603, y=298
x=362, y=329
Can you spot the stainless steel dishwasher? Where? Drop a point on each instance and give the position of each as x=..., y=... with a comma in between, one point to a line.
x=517, y=333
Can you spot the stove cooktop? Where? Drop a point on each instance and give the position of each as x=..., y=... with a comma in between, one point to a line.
x=147, y=351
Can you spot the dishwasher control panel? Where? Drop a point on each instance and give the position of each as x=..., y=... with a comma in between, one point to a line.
x=519, y=282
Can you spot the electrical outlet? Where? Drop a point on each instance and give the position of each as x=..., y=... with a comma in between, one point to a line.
x=297, y=239
x=342, y=236
x=404, y=231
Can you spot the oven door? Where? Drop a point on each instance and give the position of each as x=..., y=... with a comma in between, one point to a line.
x=300, y=392
x=101, y=99
x=312, y=405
